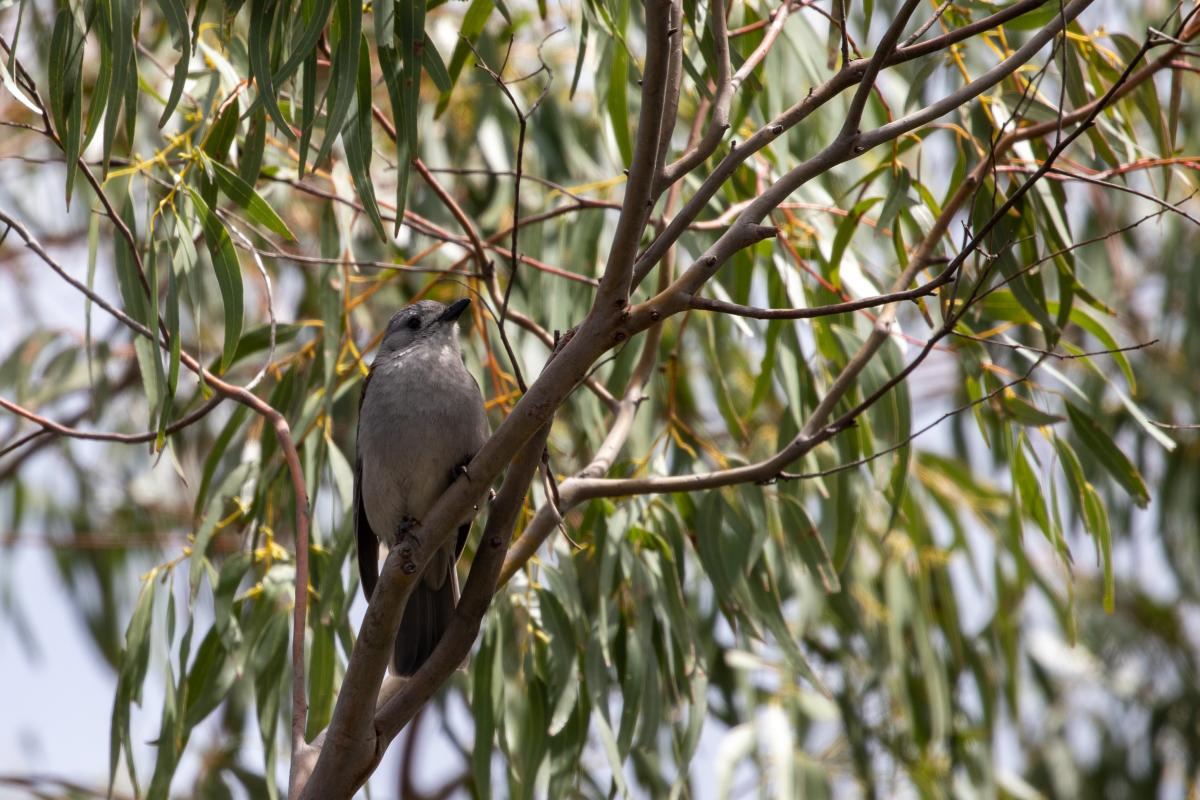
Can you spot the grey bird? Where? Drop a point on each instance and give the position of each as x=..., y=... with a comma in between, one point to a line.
x=421, y=419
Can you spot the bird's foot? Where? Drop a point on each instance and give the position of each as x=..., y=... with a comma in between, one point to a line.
x=458, y=470
x=408, y=524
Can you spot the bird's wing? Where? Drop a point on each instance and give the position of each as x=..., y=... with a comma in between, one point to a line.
x=368, y=542
x=483, y=432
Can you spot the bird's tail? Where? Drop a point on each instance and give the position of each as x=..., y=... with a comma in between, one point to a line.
x=426, y=617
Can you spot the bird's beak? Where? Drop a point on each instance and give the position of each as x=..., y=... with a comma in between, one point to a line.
x=454, y=310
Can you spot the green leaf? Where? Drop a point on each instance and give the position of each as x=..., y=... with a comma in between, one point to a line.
x=410, y=32
x=308, y=110
x=169, y=744
x=216, y=452
x=230, y=487
x=137, y=639
x=343, y=72
x=391, y=78
x=846, y=230
x=258, y=46
x=486, y=675
x=580, y=55
x=270, y=667
x=1026, y=412
x=1102, y=446
x=434, y=66
x=209, y=680
x=1032, y=499
x=472, y=25
x=616, y=103
x=66, y=90
x=135, y=299
x=384, y=12
x=229, y=275
x=242, y=193
x=356, y=136
x=176, y=16
x=320, y=681
x=250, y=159
x=800, y=529
x=117, y=17
x=99, y=97
x=1097, y=521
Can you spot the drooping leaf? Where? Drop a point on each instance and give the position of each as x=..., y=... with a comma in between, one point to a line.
x=228, y=271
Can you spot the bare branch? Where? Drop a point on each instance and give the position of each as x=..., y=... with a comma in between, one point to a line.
x=719, y=124
x=887, y=46
x=613, y=294
x=736, y=309
x=50, y=426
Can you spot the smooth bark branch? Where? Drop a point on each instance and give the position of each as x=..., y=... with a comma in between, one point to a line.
x=460, y=216
x=670, y=113
x=477, y=594
x=722, y=100
x=50, y=426
x=755, y=58
x=613, y=294
x=739, y=310
x=549, y=515
x=887, y=45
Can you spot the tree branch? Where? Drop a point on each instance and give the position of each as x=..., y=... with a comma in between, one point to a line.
x=613, y=294
x=741, y=233
x=849, y=75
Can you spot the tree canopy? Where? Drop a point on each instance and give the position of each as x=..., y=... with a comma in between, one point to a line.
x=837, y=356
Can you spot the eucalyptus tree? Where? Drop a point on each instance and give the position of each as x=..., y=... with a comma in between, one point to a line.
x=810, y=334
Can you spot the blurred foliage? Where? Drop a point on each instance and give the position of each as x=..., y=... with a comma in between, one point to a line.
x=1000, y=605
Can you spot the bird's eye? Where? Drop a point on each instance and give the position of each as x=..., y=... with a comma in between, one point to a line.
x=414, y=323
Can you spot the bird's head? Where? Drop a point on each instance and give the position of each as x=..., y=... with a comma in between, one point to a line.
x=424, y=322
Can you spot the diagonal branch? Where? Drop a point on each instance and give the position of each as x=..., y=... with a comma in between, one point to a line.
x=743, y=231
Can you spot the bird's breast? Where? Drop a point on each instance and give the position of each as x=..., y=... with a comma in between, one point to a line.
x=419, y=420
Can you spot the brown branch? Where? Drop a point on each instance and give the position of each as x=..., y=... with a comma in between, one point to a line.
x=704, y=147
x=349, y=754
x=887, y=46
x=756, y=57
x=739, y=310
x=612, y=298
x=477, y=594
x=50, y=426
x=674, y=83
x=815, y=430
x=459, y=215
x=549, y=515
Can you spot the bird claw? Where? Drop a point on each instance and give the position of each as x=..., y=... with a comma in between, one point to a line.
x=458, y=470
